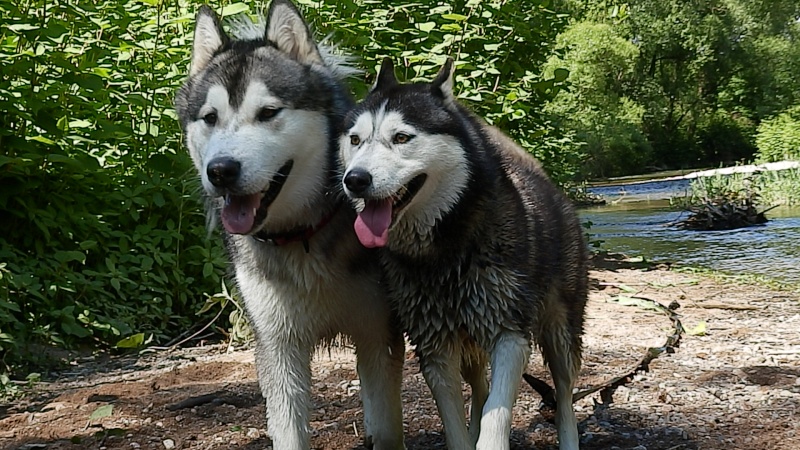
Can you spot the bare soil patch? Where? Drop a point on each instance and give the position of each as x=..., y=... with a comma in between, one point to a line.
x=736, y=387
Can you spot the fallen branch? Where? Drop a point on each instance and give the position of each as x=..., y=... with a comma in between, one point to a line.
x=608, y=388
x=724, y=306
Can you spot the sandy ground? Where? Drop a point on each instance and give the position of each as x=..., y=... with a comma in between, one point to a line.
x=736, y=386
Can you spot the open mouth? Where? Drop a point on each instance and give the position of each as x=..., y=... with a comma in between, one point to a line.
x=373, y=222
x=241, y=213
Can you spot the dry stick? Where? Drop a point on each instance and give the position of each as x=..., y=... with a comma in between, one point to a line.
x=608, y=388
x=178, y=344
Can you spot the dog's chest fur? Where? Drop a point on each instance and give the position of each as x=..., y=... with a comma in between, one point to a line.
x=437, y=305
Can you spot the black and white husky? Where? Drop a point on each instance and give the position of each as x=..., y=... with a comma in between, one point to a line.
x=262, y=115
x=481, y=252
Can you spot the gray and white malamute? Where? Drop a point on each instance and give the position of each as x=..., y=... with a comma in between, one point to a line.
x=262, y=116
x=481, y=252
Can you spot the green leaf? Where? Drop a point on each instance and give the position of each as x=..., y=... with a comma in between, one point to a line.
x=208, y=269
x=101, y=412
x=22, y=27
x=67, y=256
x=454, y=17
x=426, y=27
x=63, y=123
x=626, y=288
x=134, y=341
x=234, y=9
x=72, y=328
x=698, y=330
x=634, y=301
x=41, y=139
x=79, y=123
x=560, y=74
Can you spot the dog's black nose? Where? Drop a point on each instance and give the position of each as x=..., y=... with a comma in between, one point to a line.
x=357, y=180
x=223, y=172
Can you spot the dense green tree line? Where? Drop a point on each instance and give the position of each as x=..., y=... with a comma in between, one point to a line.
x=671, y=84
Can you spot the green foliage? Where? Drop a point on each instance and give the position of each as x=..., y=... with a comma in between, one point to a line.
x=596, y=107
x=769, y=188
x=698, y=76
x=778, y=138
x=725, y=137
x=499, y=47
x=102, y=234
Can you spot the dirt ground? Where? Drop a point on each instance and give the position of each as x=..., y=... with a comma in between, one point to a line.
x=736, y=386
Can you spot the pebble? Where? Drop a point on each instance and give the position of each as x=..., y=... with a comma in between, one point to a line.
x=168, y=444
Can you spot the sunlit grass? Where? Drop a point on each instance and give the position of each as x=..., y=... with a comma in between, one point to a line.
x=771, y=188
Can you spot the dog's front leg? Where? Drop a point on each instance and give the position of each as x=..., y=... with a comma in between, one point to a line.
x=509, y=358
x=442, y=372
x=380, y=368
x=285, y=379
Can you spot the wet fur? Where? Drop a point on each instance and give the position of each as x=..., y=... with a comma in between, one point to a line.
x=502, y=266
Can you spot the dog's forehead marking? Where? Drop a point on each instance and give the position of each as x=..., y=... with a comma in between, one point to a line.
x=257, y=95
x=363, y=125
x=381, y=124
x=393, y=122
x=217, y=99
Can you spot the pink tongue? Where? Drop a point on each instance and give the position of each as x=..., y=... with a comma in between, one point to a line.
x=239, y=212
x=372, y=224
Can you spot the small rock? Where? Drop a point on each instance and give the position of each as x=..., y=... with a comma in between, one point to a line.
x=168, y=444
x=253, y=433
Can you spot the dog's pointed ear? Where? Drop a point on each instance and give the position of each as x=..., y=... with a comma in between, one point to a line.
x=442, y=85
x=386, y=76
x=208, y=38
x=290, y=34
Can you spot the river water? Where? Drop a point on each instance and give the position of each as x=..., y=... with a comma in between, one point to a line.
x=637, y=221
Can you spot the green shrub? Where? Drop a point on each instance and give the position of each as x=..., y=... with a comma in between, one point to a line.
x=102, y=235
x=780, y=187
x=726, y=138
x=778, y=138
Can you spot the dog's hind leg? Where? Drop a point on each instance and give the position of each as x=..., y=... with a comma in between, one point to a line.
x=473, y=369
x=509, y=358
x=561, y=347
x=380, y=369
x=441, y=370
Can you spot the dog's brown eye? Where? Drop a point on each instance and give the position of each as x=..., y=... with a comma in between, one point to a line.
x=354, y=139
x=265, y=114
x=401, y=138
x=210, y=119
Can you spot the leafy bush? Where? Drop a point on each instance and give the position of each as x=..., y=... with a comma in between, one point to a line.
x=726, y=138
x=102, y=235
x=778, y=138
x=771, y=188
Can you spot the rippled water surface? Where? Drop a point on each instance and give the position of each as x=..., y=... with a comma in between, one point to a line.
x=643, y=228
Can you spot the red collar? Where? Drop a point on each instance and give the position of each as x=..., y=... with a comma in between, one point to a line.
x=297, y=234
